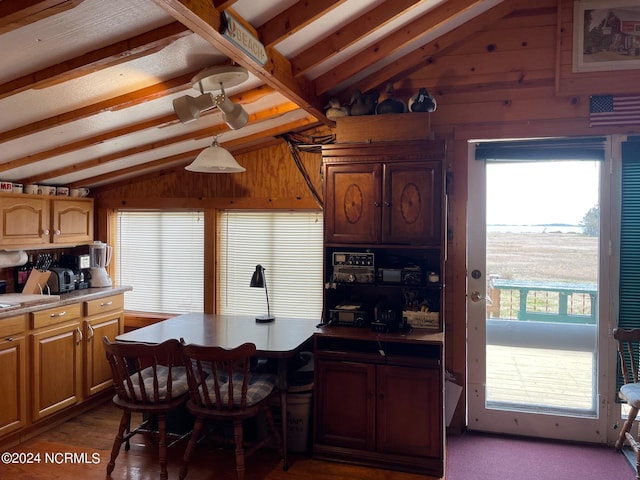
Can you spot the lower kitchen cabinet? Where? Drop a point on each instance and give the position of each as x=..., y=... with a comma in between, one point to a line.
x=103, y=317
x=56, y=366
x=13, y=383
x=53, y=359
x=379, y=400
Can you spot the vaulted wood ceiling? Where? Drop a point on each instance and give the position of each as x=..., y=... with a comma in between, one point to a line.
x=86, y=86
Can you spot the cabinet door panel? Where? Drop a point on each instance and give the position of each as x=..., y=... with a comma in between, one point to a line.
x=352, y=210
x=409, y=411
x=97, y=370
x=25, y=221
x=13, y=407
x=411, y=203
x=345, y=407
x=72, y=221
x=56, y=363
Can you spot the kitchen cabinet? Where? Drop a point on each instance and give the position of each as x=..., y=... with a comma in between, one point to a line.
x=13, y=383
x=25, y=220
x=383, y=194
x=379, y=402
x=52, y=358
x=56, y=360
x=37, y=221
x=71, y=220
x=103, y=317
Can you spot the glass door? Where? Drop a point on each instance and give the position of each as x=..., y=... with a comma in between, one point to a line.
x=533, y=298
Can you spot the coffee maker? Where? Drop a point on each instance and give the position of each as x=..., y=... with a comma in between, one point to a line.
x=100, y=256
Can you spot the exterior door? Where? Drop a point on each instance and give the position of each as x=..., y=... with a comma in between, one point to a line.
x=534, y=300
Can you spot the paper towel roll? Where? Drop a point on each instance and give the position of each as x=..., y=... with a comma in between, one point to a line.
x=13, y=259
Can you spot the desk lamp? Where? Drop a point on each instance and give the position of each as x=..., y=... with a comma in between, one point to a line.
x=258, y=280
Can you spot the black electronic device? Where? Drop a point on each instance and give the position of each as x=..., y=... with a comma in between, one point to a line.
x=353, y=267
x=402, y=276
x=349, y=315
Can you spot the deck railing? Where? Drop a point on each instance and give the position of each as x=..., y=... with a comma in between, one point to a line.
x=543, y=301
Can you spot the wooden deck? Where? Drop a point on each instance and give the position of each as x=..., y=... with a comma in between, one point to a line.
x=535, y=377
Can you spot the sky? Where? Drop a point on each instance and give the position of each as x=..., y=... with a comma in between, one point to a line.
x=541, y=193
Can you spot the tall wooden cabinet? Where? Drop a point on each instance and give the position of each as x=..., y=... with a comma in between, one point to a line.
x=379, y=390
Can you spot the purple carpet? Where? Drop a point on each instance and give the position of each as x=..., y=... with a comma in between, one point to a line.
x=477, y=456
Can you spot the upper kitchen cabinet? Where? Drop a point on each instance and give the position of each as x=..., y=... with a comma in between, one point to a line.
x=384, y=193
x=25, y=221
x=35, y=221
x=71, y=220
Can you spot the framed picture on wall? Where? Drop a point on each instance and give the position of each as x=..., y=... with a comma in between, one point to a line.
x=606, y=35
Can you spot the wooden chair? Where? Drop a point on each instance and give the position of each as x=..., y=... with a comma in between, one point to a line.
x=222, y=388
x=148, y=379
x=629, y=355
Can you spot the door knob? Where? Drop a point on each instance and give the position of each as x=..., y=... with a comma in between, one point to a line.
x=477, y=297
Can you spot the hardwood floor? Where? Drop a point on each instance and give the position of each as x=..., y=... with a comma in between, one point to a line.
x=80, y=448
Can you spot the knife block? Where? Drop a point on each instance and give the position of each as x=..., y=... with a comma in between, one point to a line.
x=37, y=282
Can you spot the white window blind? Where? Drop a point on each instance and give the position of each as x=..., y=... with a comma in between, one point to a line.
x=288, y=245
x=161, y=255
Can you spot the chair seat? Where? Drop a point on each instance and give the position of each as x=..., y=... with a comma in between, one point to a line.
x=630, y=393
x=179, y=383
x=259, y=387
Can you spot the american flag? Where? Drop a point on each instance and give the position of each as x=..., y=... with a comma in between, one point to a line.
x=611, y=110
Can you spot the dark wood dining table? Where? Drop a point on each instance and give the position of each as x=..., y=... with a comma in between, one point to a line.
x=281, y=340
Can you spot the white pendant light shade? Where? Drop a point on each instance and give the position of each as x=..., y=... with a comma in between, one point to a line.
x=215, y=159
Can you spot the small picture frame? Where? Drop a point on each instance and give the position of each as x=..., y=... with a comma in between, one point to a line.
x=606, y=35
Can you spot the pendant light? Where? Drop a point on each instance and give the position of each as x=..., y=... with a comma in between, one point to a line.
x=215, y=159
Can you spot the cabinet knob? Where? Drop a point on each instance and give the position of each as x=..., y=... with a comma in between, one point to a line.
x=79, y=332
x=376, y=204
x=387, y=204
x=57, y=232
x=45, y=231
x=59, y=314
x=91, y=332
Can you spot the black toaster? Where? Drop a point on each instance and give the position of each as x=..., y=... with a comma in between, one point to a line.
x=61, y=280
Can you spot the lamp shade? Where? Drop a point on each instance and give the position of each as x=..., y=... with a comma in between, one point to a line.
x=233, y=114
x=257, y=279
x=189, y=108
x=215, y=159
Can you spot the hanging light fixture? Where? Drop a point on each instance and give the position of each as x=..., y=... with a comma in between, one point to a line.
x=215, y=159
x=189, y=108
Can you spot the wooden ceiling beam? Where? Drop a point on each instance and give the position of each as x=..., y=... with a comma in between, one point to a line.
x=116, y=103
x=223, y=4
x=294, y=19
x=424, y=24
x=124, y=51
x=203, y=19
x=210, y=132
x=346, y=36
x=243, y=98
x=426, y=54
x=187, y=157
x=14, y=15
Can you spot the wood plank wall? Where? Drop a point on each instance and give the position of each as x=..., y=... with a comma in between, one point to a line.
x=510, y=80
